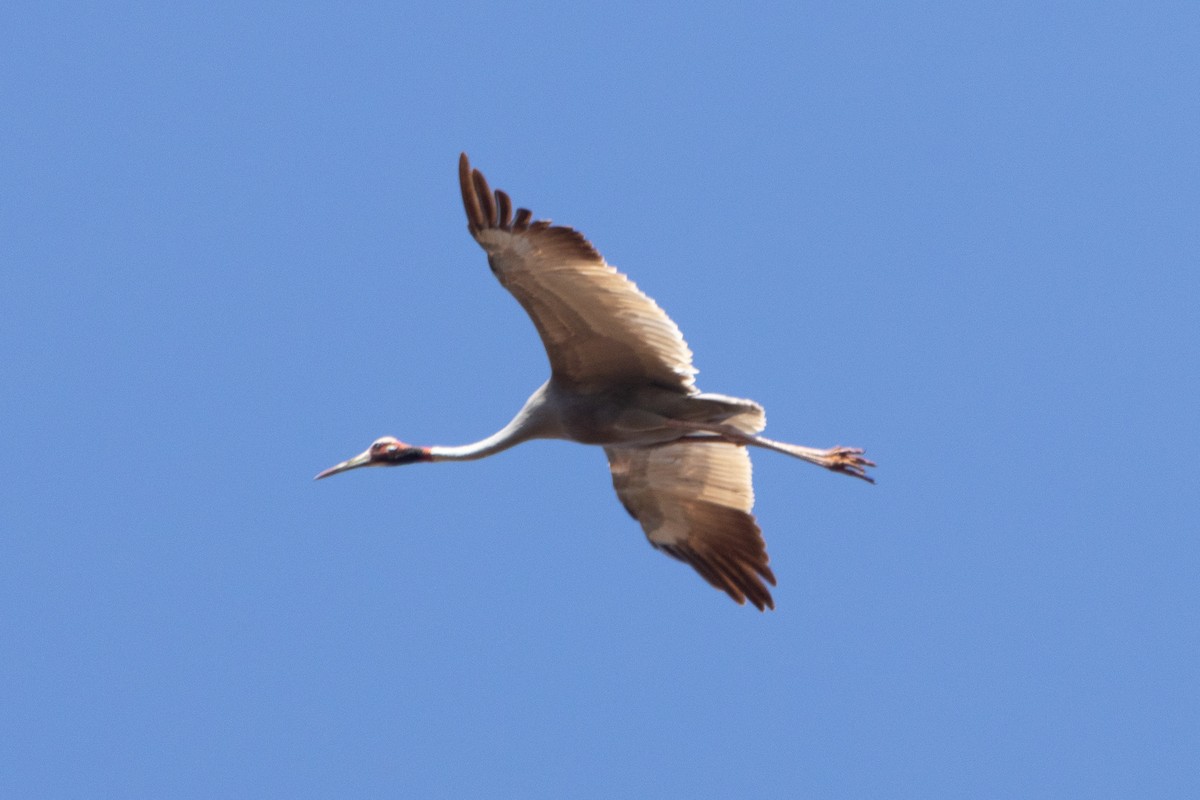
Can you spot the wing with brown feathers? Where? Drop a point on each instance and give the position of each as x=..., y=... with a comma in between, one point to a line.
x=597, y=326
x=693, y=498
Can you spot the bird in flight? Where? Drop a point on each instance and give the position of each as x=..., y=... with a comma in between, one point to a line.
x=621, y=377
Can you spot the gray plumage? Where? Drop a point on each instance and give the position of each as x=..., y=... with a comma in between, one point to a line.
x=621, y=376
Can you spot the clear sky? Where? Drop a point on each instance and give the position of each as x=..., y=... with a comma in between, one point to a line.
x=232, y=253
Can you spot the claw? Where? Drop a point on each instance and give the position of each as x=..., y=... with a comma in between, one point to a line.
x=850, y=461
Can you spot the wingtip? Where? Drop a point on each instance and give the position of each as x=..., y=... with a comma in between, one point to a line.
x=470, y=199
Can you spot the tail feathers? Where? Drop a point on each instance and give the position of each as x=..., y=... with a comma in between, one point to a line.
x=743, y=415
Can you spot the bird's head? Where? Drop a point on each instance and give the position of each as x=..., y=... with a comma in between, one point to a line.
x=386, y=451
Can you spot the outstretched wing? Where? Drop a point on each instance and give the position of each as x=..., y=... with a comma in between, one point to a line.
x=693, y=498
x=597, y=326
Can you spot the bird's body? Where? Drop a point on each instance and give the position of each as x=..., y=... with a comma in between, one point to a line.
x=622, y=377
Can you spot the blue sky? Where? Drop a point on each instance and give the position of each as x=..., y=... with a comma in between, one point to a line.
x=232, y=253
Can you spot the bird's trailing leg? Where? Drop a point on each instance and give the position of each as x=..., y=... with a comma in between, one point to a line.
x=846, y=460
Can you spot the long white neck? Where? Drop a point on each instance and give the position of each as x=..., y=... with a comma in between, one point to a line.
x=534, y=421
x=499, y=441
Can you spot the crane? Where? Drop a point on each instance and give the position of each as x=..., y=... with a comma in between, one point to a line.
x=621, y=377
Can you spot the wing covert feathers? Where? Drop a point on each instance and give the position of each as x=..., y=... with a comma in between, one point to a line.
x=693, y=499
x=598, y=328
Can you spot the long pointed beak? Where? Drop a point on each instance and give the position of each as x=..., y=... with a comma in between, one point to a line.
x=361, y=460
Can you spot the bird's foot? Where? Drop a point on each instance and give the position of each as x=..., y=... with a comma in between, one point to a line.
x=848, y=461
